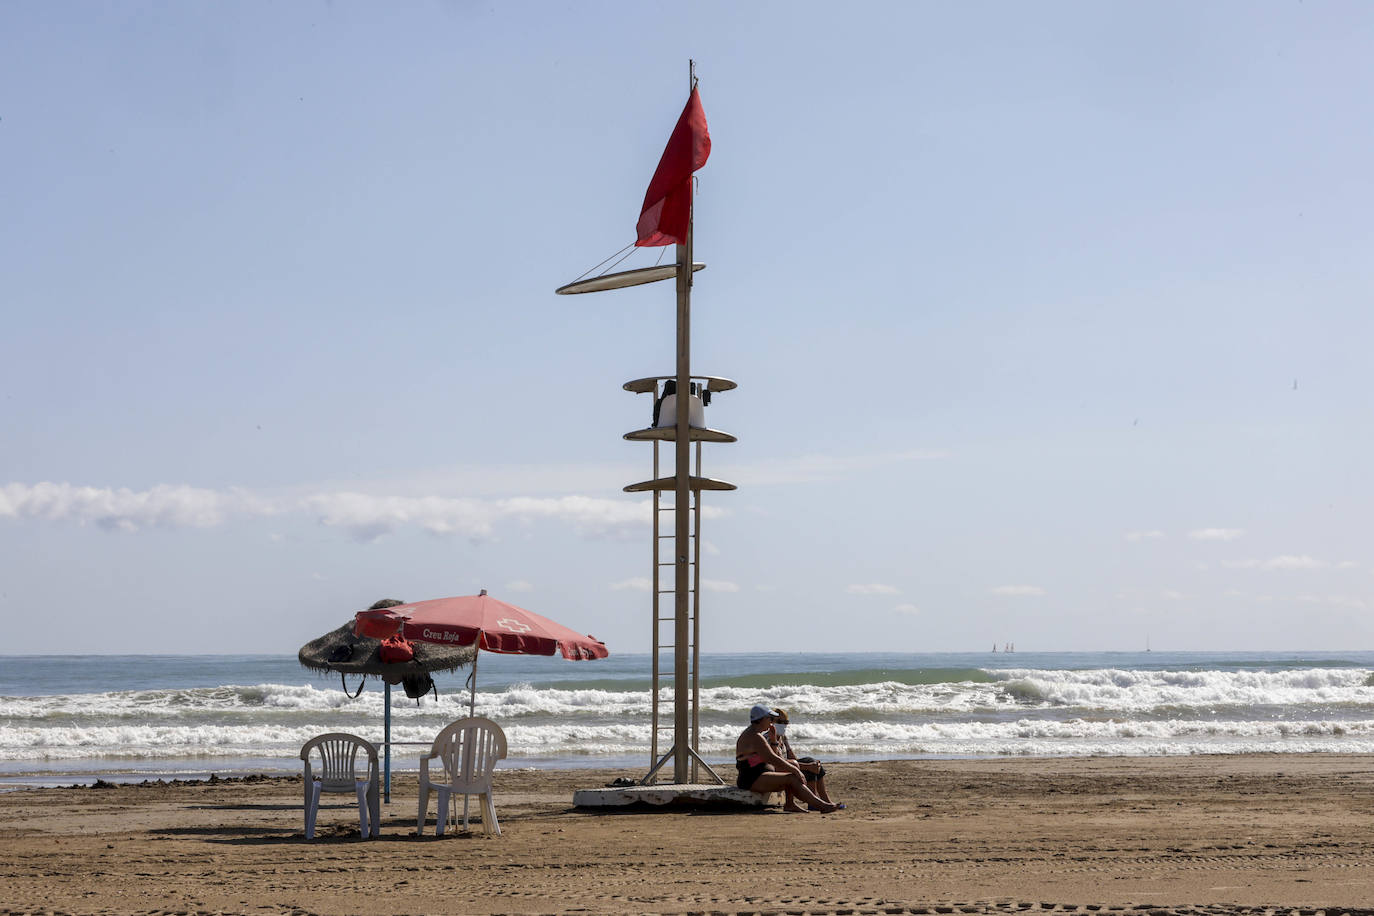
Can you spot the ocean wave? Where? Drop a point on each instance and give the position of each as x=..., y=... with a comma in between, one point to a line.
x=1105, y=691
x=1118, y=689
x=1027, y=736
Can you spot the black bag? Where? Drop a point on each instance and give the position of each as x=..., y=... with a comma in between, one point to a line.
x=417, y=685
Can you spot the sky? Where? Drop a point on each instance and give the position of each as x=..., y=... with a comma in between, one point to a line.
x=1050, y=321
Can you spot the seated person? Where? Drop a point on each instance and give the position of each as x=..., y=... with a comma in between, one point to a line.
x=762, y=769
x=810, y=767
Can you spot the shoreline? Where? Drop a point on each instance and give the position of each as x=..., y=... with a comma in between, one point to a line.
x=17, y=774
x=1232, y=833
x=54, y=774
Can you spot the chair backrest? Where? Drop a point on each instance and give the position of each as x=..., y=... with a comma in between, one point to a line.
x=469, y=749
x=338, y=755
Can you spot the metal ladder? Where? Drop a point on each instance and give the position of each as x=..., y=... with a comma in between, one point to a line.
x=661, y=679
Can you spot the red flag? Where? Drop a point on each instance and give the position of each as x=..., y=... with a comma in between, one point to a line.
x=668, y=203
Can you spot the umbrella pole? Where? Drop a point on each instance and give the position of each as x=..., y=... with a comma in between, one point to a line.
x=386, y=729
x=472, y=681
x=472, y=710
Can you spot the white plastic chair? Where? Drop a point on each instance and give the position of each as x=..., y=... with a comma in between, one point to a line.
x=468, y=749
x=338, y=772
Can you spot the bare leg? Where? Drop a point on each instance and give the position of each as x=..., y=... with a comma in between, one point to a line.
x=818, y=786
x=779, y=782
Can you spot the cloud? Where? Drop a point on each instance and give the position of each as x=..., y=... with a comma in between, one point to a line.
x=873, y=589
x=814, y=468
x=1152, y=535
x=636, y=584
x=369, y=517
x=519, y=585
x=1286, y=561
x=719, y=585
x=908, y=609
x=1342, y=601
x=366, y=517
x=162, y=506
x=1171, y=595
x=1016, y=590
x=1216, y=534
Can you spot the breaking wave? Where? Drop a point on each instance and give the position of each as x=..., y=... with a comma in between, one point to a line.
x=865, y=712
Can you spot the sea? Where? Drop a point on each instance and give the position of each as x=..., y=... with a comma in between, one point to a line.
x=76, y=719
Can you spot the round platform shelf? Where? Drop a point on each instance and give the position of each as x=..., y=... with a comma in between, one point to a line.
x=623, y=279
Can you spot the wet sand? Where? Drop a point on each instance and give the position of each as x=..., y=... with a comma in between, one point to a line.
x=1244, y=834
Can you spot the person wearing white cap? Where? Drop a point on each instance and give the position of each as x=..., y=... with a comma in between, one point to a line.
x=811, y=767
x=763, y=770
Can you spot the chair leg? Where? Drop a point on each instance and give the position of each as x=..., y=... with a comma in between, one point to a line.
x=443, y=811
x=424, y=803
x=374, y=807
x=312, y=808
x=489, y=822
x=360, y=788
x=465, y=812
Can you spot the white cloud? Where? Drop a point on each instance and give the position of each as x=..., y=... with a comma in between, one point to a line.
x=162, y=506
x=1171, y=595
x=636, y=584
x=873, y=589
x=718, y=585
x=1151, y=535
x=1016, y=590
x=1289, y=561
x=813, y=468
x=364, y=516
x=1216, y=534
x=908, y=609
x=369, y=517
x=519, y=585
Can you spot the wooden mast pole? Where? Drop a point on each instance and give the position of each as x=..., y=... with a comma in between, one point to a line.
x=681, y=502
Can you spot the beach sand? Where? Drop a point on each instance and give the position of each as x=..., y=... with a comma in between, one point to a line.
x=1215, y=834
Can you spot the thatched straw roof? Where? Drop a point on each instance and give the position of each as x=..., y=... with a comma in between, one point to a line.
x=362, y=655
x=339, y=650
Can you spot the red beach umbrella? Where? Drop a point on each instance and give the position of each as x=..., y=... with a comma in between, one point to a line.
x=482, y=620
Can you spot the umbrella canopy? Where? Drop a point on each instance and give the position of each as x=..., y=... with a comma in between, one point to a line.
x=481, y=621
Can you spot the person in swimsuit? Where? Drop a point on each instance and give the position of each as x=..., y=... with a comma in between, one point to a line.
x=763, y=770
x=811, y=768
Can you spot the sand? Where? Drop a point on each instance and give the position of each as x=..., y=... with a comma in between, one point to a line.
x=1242, y=834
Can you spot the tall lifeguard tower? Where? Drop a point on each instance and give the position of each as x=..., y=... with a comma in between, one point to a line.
x=678, y=416
x=682, y=594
